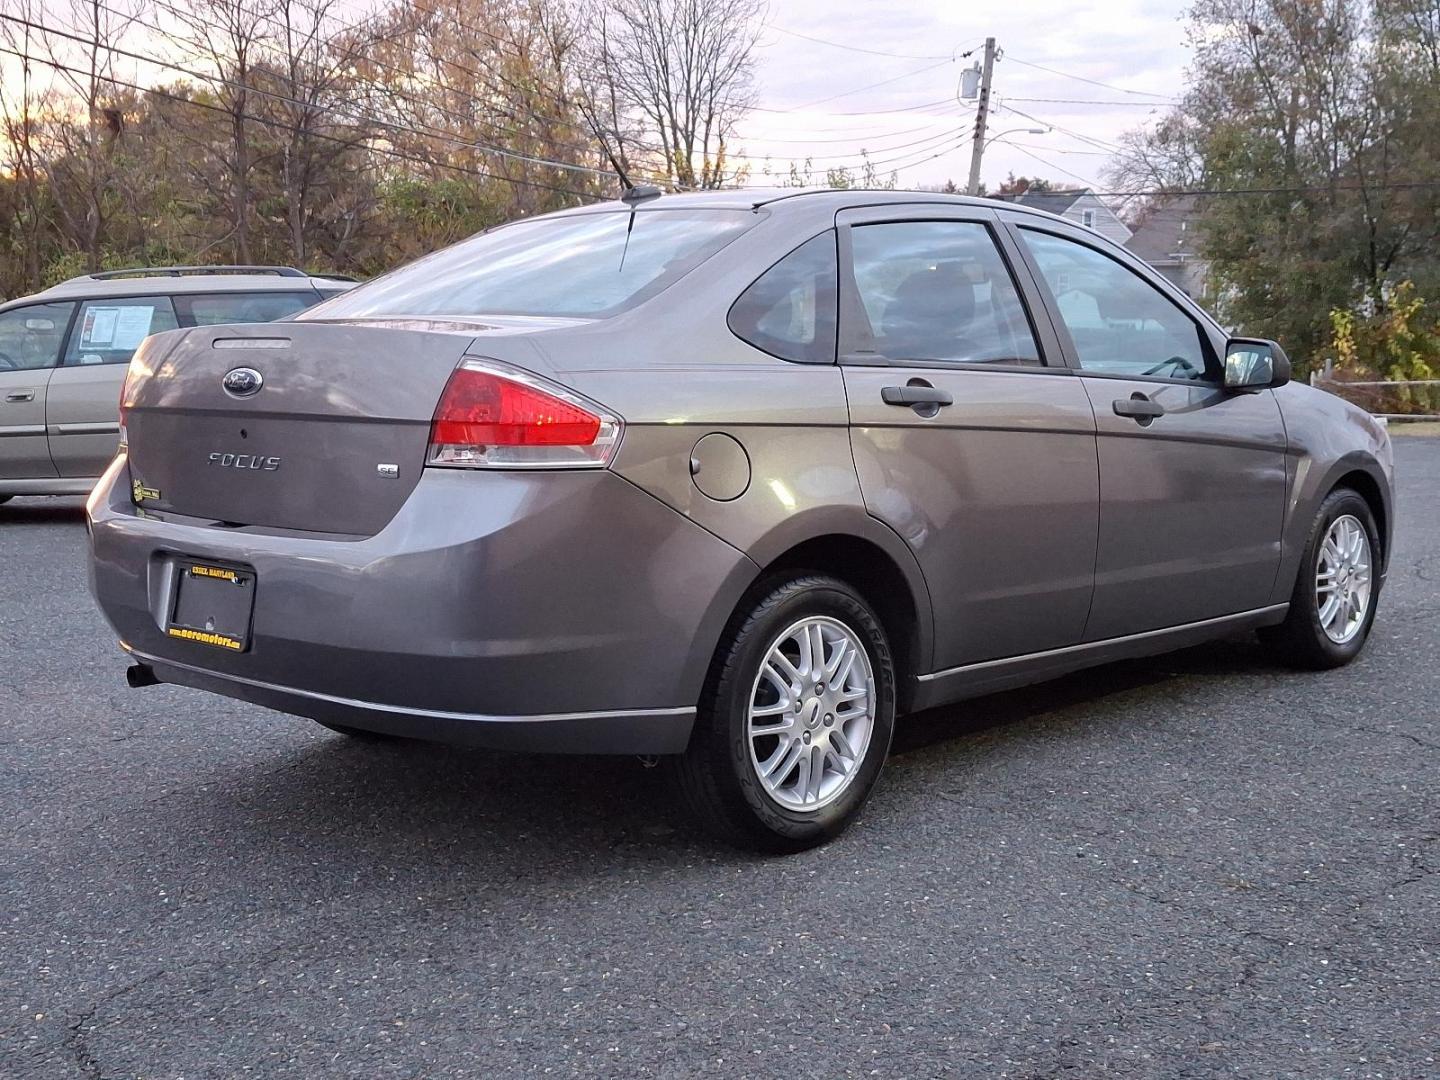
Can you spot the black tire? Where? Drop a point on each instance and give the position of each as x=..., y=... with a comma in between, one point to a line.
x=1300, y=641
x=360, y=734
x=716, y=776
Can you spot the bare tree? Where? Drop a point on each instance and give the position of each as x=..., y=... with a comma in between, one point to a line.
x=229, y=39
x=310, y=76
x=684, y=70
x=23, y=102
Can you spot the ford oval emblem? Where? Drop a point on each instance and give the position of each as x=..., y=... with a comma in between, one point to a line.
x=242, y=381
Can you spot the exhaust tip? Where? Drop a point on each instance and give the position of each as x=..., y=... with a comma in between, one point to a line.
x=138, y=675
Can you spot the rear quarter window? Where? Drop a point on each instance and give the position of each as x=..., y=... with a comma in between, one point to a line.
x=790, y=311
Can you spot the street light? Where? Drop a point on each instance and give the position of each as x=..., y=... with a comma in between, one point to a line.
x=1018, y=131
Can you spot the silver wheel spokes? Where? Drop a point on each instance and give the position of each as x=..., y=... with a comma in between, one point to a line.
x=812, y=711
x=1342, y=579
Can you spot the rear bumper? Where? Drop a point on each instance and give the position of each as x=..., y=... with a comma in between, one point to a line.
x=564, y=612
x=626, y=731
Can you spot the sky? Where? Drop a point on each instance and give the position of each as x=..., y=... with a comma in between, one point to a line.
x=835, y=77
x=828, y=97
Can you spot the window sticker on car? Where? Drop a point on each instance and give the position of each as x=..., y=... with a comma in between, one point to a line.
x=132, y=326
x=116, y=327
x=99, y=328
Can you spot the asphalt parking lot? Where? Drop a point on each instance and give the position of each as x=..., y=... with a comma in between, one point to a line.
x=1198, y=865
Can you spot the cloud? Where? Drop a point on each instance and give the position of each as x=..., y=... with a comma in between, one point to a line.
x=1130, y=45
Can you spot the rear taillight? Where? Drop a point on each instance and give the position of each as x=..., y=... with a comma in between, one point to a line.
x=124, y=410
x=495, y=416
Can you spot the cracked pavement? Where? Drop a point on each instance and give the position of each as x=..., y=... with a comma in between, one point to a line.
x=1197, y=865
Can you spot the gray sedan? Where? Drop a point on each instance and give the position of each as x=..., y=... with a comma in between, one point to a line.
x=733, y=480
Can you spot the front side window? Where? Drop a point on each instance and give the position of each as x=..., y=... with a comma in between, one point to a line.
x=1120, y=323
x=789, y=311
x=939, y=290
x=584, y=265
x=217, y=308
x=109, y=331
x=30, y=337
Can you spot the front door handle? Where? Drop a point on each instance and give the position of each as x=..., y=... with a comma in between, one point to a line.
x=1139, y=408
x=20, y=395
x=916, y=395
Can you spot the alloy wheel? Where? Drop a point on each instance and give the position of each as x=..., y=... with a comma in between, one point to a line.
x=1343, y=579
x=812, y=713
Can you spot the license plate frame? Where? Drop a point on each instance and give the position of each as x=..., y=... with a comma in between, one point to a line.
x=211, y=604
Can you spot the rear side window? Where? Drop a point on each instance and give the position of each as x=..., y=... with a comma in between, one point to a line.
x=582, y=265
x=214, y=309
x=790, y=310
x=109, y=331
x=939, y=290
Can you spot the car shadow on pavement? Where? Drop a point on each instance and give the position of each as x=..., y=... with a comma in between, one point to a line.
x=1238, y=655
x=43, y=510
x=403, y=802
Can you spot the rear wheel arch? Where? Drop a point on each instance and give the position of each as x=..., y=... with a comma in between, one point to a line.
x=877, y=575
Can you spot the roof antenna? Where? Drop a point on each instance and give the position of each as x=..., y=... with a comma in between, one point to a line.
x=633, y=197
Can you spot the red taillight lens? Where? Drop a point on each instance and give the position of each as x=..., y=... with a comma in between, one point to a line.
x=494, y=416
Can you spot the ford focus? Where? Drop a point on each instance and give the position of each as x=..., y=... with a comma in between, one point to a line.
x=733, y=480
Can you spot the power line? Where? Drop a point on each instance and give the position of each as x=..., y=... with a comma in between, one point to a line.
x=867, y=112
x=1092, y=101
x=1100, y=144
x=1082, y=78
x=1052, y=165
x=864, y=152
x=854, y=138
x=1056, y=150
x=480, y=78
x=364, y=143
x=869, y=86
x=469, y=144
x=857, y=48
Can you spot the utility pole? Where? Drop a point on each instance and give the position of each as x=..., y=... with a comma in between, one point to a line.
x=982, y=112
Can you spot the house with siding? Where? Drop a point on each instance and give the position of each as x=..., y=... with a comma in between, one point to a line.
x=1165, y=238
x=1080, y=206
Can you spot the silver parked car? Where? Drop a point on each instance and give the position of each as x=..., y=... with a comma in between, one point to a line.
x=63, y=355
x=733, y=479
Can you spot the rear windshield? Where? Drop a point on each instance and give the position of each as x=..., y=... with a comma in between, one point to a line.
x=587, y=265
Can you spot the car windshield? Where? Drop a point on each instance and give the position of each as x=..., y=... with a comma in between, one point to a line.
x=587, y=265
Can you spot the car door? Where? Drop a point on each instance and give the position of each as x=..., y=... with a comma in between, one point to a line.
x=1192, y=476
x=973, y=440
x=30, y=340
x=82, y=408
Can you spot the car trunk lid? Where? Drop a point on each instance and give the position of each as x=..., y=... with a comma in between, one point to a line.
x=320, y=427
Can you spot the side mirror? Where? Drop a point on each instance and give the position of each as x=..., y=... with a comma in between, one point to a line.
x=1254, y=364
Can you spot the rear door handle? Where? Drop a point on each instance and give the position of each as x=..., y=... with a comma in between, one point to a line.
x=1138, y=407
x=20, y=395
x=916, y=395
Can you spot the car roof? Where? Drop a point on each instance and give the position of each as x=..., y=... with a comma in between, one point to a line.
x=777, y=197
x=91, y=288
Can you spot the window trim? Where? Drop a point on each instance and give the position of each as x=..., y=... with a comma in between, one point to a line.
x=1205, y=327
x=730, y=311
x=80, y=303
x=854, y=327
x=64, y=334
